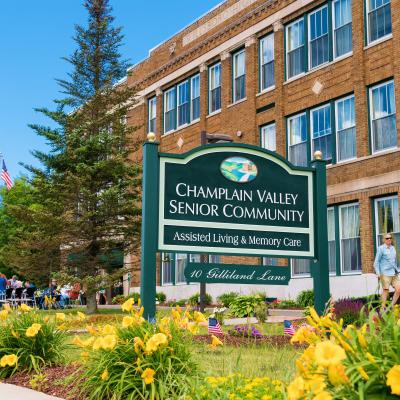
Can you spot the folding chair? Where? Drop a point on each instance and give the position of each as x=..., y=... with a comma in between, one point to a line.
x=28, y=296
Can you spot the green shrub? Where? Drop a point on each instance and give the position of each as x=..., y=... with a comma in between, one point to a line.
x=305, y=298
x=244, y=306
x=195, y=299
x=227, y=298
x=161, y=297
x=122, y=362
x=42, y=345
x=260, y=311
x=119, y=299
x=180, y=303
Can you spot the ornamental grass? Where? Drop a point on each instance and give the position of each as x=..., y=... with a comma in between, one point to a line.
x=348, y=362
x=29, y=341
x=140, y=360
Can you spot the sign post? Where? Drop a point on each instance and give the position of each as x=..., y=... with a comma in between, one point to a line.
x=320, y=269
x=149, y=227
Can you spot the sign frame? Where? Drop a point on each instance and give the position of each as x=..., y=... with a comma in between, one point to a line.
x=242, y=149
x=150, y=220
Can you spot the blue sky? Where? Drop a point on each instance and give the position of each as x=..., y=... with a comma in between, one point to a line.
x=34, y=35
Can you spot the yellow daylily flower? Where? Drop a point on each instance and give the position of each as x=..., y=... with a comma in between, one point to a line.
x=109, y=342
x=155, y=341
x=127, y=321
x=296, y=389
x=108, y=330
x=215, y=342
x=81, y=316
x=328, y=353
x=128, y=305
x=9, y=360
x=3, y=314
x=60, y=316
x=32, y=331
x=363, y=374
x=148, y=376
x=105, y=375
x=337, y=375
x=138, y=344
x=323, y=396
x=393, y=379
x=24, y=308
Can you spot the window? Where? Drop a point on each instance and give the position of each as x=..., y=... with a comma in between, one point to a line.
x=297, y=135
x=301, y=267
x=318, y=37
x=379, y=19
x=345, y=129
x=239, y=75
x=268, y=137
x=167, y=269
x=387, y=220
x=342, y=36
x=180, y=264
x=182, y=104
x=295, y=48
x=331, y=241
x=350, y=248
x=383, y=117
x=321, y=133
x=152, y=115
x=267, y=68
x=214, y=84
x=169, y=110
x=195, y=97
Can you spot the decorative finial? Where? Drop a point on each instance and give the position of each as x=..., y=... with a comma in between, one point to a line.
x=318, y=155
x=151, y=137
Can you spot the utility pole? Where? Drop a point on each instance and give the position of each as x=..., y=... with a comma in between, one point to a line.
x=209, y=138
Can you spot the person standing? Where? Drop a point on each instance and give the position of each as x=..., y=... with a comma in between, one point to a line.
x=386, y=269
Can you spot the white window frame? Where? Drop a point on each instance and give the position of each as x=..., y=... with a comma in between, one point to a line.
x=334, y=28
x=295, y=276
x=234, y=76
x=312, y=126
x=163, y=255
x=332, y=209
x=172, y=89
x=262, y=132
x=367, y=8
x=359, y=272
x=192, y=79
x=376, y=200
x=210, y=88
x=289, y=136
x=287, y=48
x=180, y=256
x=337, y=130
x=188, y=102
x=370, y=115
x=150, y=108
x=310, y=68
x=265, y=39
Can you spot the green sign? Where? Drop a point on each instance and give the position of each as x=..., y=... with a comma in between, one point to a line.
x=234, y=273
x=235, y=200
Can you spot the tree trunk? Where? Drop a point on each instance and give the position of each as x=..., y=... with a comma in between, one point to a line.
x=91, y=304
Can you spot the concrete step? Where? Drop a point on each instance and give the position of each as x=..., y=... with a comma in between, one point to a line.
x=285, y=313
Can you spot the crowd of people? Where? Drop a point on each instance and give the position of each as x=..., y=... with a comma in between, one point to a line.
x=15, y=290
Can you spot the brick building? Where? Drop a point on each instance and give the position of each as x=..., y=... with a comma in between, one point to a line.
x=293, y=76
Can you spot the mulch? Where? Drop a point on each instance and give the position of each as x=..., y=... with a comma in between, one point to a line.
x=54, y=383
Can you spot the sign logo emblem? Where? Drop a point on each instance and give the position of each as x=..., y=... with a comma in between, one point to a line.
x=238, y=169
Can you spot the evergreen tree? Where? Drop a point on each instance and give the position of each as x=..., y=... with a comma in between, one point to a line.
x=87, y=180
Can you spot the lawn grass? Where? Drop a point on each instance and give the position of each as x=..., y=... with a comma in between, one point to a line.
x=251, y=361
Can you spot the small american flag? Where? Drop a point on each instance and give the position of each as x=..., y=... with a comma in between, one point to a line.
x=214, y=327
x=6, y=176
x=288, y=328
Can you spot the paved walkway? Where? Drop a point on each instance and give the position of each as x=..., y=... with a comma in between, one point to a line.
x=12, y=392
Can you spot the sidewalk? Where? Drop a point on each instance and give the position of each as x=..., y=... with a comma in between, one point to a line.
x=12, y=392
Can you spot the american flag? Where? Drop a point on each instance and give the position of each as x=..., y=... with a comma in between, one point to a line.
x=214, y=327
x=288, y=328
x=6, y=176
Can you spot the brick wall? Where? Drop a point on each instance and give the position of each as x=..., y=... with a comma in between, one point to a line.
x=353, y=74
